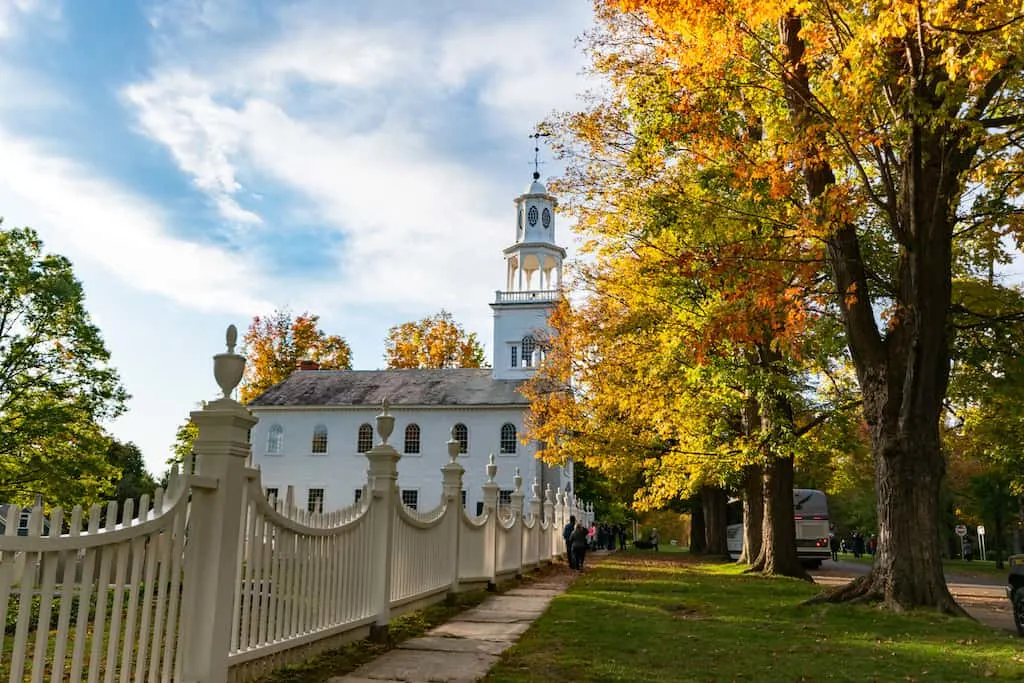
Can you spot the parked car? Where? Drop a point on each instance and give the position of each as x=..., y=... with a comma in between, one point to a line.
x=1015, y=591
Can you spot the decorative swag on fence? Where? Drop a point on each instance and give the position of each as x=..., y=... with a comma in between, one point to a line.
x=210, y=581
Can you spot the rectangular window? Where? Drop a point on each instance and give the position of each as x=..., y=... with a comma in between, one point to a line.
x=505, y=497
x=359, y=495
x=315, y=500
x=410, y=498
x=272, y=493
x=515, y=356
x=463, y=497
x=479, y=508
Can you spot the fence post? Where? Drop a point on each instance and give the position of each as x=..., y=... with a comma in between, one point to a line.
x=490, y=495
x=517, y=508
x=451, y=475
x=563, y=519
x=218, y=490
x=549, y=513
x=535, y=514
x=383, y=485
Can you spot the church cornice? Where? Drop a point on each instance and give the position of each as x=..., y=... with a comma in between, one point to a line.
x=535, y=245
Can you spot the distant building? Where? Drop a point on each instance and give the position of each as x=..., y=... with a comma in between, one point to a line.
x=315, y=426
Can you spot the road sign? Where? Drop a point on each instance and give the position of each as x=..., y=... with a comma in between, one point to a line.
x=981, y=530
x=960, y=530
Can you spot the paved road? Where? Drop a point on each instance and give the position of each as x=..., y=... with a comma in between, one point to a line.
x=984, y=598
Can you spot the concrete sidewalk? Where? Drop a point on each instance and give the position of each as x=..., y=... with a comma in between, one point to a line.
x=465, y=648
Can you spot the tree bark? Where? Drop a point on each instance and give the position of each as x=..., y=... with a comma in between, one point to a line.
x=753, y=513
x=778, y=556
x=715, y=501
x=698, y=543
x=903, y=374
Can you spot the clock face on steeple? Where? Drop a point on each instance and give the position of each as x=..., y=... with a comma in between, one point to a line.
x=545, y=218
x=531, y=215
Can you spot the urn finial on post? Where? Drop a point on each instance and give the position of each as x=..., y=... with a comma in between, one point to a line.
x=229, y=367
x=453, y=447
x=492, y=470
x=385, y=423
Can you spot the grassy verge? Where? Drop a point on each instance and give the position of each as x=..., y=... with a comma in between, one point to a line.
x=974, y=568
x=634, y=617
x=412, y=625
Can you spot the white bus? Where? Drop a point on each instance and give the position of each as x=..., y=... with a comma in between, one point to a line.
x=810, y=516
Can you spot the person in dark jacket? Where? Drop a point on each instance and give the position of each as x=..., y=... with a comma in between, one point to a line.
x=578, y=542
x=566, y=534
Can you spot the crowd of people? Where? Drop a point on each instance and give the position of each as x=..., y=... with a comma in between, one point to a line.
x=856, y=544
x=598, y=536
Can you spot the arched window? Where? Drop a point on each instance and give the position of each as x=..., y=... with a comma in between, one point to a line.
x=320, y=439
x=461, y=434
x=275, y=439
x=508, y=438
x=529, y=344
x=364, y=441
x=412, y=439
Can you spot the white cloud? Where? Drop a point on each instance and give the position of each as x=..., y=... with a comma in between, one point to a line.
x=97, y=220
x=420, y=226
x=14, y=12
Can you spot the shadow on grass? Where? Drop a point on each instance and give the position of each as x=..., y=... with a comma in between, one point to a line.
x=637, y=618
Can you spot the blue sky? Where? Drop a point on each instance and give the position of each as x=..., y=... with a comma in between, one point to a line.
x=204, y=161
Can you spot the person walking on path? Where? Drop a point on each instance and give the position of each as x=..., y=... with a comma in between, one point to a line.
x=833, y=545
x=654, y=539
x=567, y=535
x=579, y=546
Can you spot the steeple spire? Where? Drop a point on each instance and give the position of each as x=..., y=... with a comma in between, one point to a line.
x=533, y=280
x=537, y=135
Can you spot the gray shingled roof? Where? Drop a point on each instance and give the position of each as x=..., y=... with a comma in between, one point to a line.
x=446, y=387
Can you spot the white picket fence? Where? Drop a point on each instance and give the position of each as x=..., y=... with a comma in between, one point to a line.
x=210, y=581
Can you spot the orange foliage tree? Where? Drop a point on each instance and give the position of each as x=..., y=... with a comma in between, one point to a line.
x=886, y=135
x=436, y=341
x=274, y=346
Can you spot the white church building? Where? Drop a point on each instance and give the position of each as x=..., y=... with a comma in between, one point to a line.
x=315, y=426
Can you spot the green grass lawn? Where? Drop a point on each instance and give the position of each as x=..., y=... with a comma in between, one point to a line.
x=975, y=568
x=643, y=617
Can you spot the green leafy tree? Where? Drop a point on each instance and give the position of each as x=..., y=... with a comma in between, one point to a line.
x=56, y=384
x=184, y=441
x=135, y=480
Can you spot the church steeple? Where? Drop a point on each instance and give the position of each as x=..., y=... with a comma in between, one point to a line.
x=533, y=283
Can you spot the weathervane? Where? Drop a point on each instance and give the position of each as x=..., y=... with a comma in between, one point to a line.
x=537, y=135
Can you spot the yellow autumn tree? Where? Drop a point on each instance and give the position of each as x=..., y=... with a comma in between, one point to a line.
x=274, y=345
x=436, y=341
x=885, y=134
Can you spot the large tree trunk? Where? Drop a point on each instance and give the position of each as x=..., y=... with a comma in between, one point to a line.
x=753, y=513
x=902, y=374
x=778, y=555
x=698, y=538
x=715, y=502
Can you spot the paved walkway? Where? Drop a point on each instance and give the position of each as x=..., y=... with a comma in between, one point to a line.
x=464, y=649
